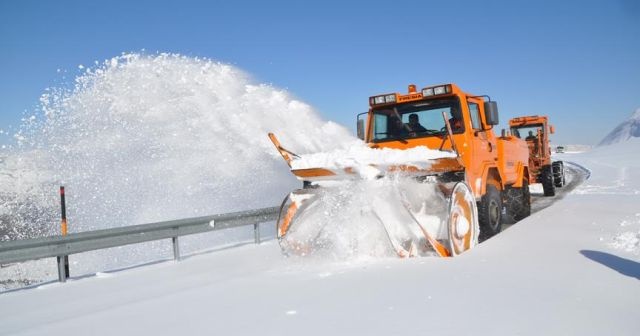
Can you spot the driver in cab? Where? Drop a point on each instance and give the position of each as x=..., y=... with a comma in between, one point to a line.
x=414, y=125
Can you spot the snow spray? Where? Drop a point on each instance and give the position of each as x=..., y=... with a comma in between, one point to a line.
x=144, y=138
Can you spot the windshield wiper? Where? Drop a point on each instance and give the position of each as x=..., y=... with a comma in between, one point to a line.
x=407, y=127
x=449, y=135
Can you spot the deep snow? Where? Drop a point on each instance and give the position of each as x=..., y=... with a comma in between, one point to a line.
x=558, y=272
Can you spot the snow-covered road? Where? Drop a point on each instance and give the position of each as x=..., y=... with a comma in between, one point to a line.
x=562, y=271
x=574, y=174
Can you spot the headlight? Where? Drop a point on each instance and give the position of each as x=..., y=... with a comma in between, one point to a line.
x=440, y=90
x=427, y=92
x=391, y=98
x=378, y=100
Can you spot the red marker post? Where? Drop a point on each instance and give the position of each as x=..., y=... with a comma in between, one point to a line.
x=63, y=229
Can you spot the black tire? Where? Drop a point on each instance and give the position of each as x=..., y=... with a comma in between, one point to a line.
x=525, y=210
x=511, y=204
x=548, y=183
x=490, y=213
x=558, y=173
x=525, y=202
x=517, y=203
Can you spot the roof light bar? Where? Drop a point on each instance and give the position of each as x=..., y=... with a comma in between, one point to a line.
x=383, y=99
x=436, y=90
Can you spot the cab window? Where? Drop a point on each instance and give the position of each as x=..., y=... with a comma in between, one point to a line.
x=380, y=126
x=474, y=111
x=417, y=119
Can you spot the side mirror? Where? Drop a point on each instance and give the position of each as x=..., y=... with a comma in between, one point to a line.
x=552, y=129
x=361, y=129
x=360, y=126
x=491, y=113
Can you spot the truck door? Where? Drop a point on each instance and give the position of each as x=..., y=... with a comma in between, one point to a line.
x=484, y=145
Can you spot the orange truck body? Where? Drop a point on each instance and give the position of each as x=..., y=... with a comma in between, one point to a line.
x=484, y=158
x=536, y=131
x=538, y=142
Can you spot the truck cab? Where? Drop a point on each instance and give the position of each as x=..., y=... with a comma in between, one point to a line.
x=446, y=118
x=536, y=131
x=420, y=119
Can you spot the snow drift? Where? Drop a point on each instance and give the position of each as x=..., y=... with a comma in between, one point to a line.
x=563, y=271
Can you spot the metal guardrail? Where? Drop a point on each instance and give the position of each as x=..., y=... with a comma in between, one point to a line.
x=61, y=246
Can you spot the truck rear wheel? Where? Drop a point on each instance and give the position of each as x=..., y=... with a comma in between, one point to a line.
x=490, y=213
x=526, y=201
x=558, y=173
x=548, y=183
x=517, y=203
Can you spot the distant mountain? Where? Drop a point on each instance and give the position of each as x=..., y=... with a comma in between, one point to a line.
x=625, y=131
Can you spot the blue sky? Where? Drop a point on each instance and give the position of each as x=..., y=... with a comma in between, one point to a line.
x=576, y=61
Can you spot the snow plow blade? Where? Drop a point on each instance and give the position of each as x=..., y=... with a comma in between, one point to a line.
x=436, y=166
x=401, y=210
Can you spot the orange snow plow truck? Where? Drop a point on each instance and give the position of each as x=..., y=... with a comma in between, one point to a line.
x=475, y=181
x=536, y=130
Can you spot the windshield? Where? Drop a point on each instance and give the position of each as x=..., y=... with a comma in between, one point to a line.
x=416, y=119
x=529, y=132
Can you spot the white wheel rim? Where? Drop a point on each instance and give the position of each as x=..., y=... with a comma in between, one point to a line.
x=463, y=220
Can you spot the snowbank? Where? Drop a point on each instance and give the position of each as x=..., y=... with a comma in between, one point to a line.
x=557, y=272
x=615, y=176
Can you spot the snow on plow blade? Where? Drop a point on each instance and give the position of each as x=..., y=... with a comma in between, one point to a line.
x=319, y=169
x=439, y=165
x=390, y=216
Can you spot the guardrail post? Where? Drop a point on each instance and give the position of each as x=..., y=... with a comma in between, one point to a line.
x=62, y=274
x=176, y=248
x=63, y=229
x=256, y=232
